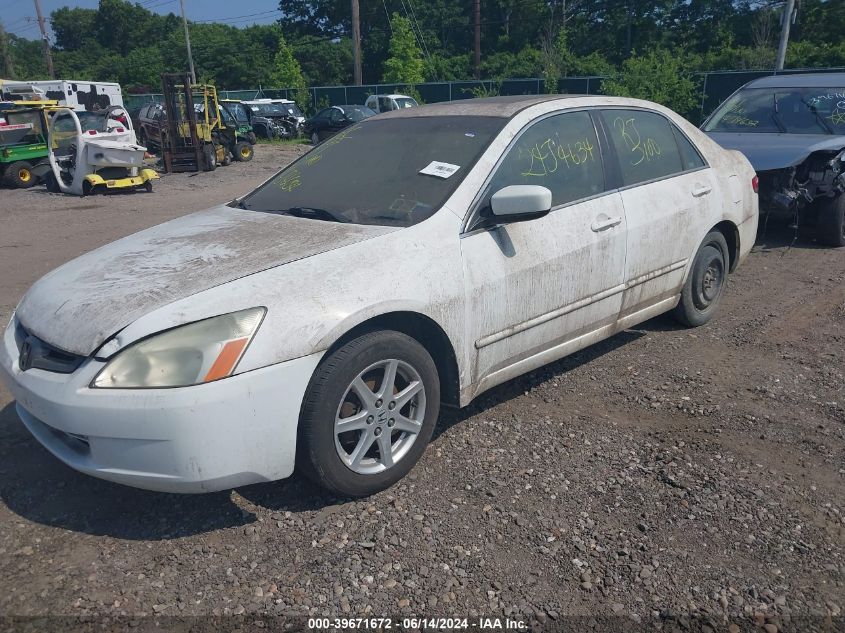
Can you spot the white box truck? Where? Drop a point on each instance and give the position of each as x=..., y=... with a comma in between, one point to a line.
x=77, y=95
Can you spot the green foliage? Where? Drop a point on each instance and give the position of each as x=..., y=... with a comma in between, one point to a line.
x=287, y=73
x=405, y=64
x=659, y=75
x=486, y=89
x=507, y=65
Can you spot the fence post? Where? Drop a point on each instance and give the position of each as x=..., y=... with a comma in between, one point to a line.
x=703, y=96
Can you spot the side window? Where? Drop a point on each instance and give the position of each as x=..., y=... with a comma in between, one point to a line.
x=560, y=153
x=689, y=155
x=336, y=115
x=645, y=145
x=323, y=114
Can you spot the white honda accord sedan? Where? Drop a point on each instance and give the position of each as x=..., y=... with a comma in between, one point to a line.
x=320, y=321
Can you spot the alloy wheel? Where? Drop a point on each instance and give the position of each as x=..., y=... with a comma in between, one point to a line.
x=379, y=417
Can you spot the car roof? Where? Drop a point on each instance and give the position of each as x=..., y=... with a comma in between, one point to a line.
x=504, y=107
x=803, y=80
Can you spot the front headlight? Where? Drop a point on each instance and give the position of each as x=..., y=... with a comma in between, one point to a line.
x=187, y=355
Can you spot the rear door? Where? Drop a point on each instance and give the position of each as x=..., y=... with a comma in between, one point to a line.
x=668, y=191
x=537, y=290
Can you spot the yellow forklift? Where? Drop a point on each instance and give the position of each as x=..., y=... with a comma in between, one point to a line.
x=194, y=136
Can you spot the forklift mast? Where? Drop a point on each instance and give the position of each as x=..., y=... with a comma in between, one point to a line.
x=186, y=134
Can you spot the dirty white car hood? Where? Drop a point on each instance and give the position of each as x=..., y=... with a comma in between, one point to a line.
x=81, y=304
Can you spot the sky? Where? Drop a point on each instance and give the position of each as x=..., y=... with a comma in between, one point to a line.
x=18, y=16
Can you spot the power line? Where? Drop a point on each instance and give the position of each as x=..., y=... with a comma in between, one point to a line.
x=238, y=18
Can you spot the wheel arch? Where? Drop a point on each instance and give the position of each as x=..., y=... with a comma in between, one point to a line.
x=428, y=333
x=730, y=231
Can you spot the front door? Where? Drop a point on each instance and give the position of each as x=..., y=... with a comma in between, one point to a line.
x=540, y=289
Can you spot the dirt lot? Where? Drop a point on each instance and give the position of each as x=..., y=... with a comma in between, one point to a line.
x=664, y=473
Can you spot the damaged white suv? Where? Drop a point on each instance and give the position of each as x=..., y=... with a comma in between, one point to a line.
x=321, y=320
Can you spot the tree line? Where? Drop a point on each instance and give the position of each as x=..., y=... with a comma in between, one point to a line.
x=644, y=46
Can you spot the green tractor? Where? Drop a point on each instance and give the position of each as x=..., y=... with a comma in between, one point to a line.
x=23, y=146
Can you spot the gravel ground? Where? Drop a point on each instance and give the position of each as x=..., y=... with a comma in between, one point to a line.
x=661, y=475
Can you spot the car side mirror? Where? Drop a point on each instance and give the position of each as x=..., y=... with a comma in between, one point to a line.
x=520, y=203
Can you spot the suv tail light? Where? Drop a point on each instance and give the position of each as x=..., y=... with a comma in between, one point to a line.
x=755, y=184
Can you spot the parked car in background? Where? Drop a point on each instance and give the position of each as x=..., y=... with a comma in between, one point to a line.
x=330, y=121
x=321, y=319
x=148, y=124
x=388, y=103
x=792, y=129
x=276, y=118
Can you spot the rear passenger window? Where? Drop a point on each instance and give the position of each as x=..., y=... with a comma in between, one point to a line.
x=560, y=153
x=689, y=155
x=645, y=145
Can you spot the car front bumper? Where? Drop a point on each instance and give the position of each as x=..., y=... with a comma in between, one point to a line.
x=215, y=436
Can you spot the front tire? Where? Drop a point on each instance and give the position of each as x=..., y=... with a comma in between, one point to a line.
x=831, y=225
x=210, y=154
x=368, y=414
x=705, y=285
x=243, y=152
x=19, y=174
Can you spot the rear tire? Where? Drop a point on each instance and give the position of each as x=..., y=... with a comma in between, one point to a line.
x=19, y=174
x=831, y=224
x=705, y=285
x=398, y=415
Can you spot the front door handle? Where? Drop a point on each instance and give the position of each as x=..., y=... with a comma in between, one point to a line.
x=603, y=223
x=702, y=190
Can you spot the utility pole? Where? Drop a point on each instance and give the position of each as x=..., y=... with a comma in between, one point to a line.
x=8, y=69
x=47, y=53
x=788, y=17
x=476, y=13
x=188, y=43
x=356, y=43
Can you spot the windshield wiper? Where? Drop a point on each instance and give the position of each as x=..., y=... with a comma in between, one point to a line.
x=312, y=214
x=818, y=116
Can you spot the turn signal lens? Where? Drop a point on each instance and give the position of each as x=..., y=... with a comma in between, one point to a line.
x=187, y=355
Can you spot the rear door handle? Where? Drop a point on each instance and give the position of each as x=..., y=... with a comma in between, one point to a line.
x=698, y=192
x=603, y=223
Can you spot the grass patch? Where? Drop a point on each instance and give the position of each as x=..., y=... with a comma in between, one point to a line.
x=284, y=141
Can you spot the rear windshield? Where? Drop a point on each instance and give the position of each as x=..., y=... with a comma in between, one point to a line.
x=356, y=113
x=395, y=171
x=782, y=110
x=277, y=109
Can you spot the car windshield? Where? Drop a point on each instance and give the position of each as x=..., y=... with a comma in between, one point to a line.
x=782, y=110
x=237, y=111
x=412, y=166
